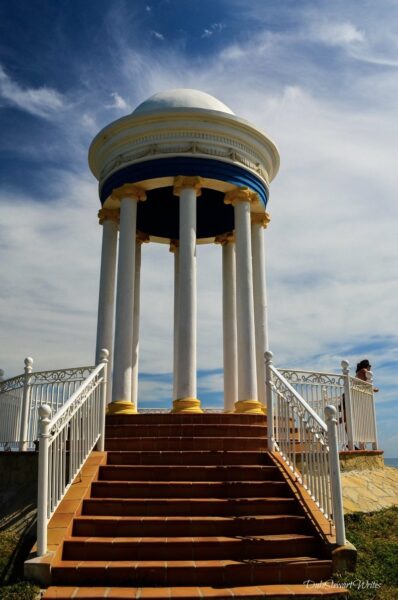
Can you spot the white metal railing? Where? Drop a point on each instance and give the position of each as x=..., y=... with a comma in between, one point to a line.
x=21, y=396
x=352, y=398
x=65, y=442
x=307, y=444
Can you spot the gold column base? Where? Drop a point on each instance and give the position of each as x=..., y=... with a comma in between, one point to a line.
x=186, y=405
x=121, y=407
x=249, y=407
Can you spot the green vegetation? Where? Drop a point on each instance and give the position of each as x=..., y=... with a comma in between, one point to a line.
x=375, y=536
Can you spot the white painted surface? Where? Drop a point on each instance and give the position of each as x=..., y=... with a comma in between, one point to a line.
x=181, y=98
x=176, y=321
x=230, y=340
x=123, y=353
x=247, y=377
x=187, y=303
x=136, y=324
x=260, y=306
x=106, y=300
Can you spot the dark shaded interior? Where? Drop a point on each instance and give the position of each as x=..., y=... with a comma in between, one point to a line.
x=159, y=214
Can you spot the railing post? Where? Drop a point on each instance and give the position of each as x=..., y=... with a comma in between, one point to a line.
x=23, y=432
x=346, y=404
x=1, y=375
x=375, y=444
x=270, y=409
x=104, y=354
x=42, y=495
x=334, y=465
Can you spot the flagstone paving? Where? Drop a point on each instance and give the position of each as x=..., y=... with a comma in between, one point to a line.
x=369, y=490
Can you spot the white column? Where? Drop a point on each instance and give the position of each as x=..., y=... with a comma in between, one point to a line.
x=230, y=342
x=247, y=376
x=188, y=188
x=174, y=247
x=123, y=354
x=260, y=300
x=141, y=238
x=109, y=219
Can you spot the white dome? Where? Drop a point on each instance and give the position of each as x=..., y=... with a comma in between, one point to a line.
x=181, y=98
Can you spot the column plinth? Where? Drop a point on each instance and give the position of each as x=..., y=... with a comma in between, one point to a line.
x=247, y=374
x=129, y=196
x=185, y=400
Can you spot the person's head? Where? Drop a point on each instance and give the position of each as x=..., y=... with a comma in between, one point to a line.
x=364, y=364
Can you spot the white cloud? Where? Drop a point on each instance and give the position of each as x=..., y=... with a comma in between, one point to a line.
x=214, y=28
x=338, y=34
x=157, y=35
x=43, y=101
x=119, y=102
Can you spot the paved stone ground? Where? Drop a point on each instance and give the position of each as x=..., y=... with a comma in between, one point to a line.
x=369, y=490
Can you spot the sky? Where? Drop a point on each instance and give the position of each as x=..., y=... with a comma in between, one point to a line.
x=319, y=77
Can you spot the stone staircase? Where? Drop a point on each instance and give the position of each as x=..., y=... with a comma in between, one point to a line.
x=190, y=506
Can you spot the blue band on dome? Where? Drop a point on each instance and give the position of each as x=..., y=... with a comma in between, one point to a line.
x=184, y=165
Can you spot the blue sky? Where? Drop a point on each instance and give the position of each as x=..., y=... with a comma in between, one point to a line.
x=319, y=77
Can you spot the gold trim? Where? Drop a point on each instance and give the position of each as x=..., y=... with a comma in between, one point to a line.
x=121, y=407
x=225, y=238
x=242, y=194
x=249, y=407
x=129, y=190
x=263, y=219
x=186, y=405
x=174, y=245
x=109, y=214
x=181, y=182
x=142, y=238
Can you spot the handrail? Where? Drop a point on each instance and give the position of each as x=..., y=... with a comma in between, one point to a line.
x=307, y=444
x=65, y=442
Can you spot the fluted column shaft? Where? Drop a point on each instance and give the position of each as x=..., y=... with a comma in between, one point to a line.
x=174, y=247
x=247, y=375
x=109, y=219
x=141, y=238
x=185, y=397
x=123, y=354
x=260, y=300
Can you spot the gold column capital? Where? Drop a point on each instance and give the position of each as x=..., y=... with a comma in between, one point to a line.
x=129, y=190
x=109, y=214
x=225, y=238
x=242, y=194
x=263, y=219
x=142, y=238
x=174, y=244
x=181, y=182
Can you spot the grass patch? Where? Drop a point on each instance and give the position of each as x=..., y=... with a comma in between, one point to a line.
x=375, y=536
x=14, y=548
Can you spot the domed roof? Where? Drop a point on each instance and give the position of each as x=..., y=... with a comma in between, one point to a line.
x=181, y=98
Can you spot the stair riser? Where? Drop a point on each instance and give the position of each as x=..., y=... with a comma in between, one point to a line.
x=228, y=576
x=237, y=489
x=185, y=527
x=183, y=444
x=201, y=508
x=186, y=419
x=160, y=550
x=203, y=430
x=188, y=458
x=188, y=473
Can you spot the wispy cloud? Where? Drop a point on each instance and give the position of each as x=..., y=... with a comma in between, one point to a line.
x=157, y=35
x=212, y=29
x=42, y=102
x=338, y=34
x=118, y=102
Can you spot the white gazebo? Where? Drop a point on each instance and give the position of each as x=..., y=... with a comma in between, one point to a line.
x=182, y=170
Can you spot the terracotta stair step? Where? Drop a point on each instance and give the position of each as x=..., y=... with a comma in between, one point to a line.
x=187, y=457
x=186, y=443
x=185, y=430
x=260, y=592
x=191, y=548
x=190, y=506
x=102, y=526
x=201, y=573
x=175, y=418
x=188, y=489
x=189, y=473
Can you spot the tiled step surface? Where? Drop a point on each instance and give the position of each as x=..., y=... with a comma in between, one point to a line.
x=258, y=592
x=187, y=502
